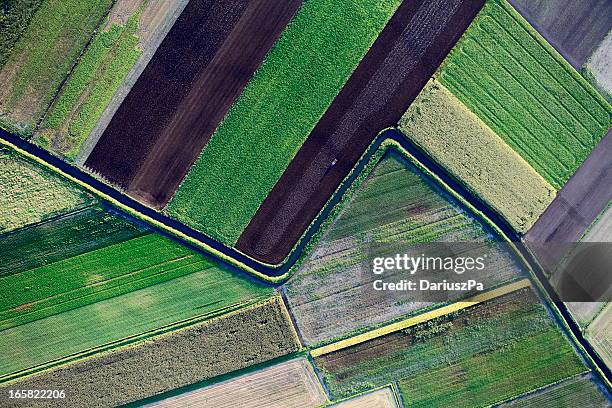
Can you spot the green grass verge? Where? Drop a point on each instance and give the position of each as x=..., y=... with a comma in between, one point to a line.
x=91, y=86
x=451, y=360
x=44, y=54
x=508, y=75
x=299, y=79
x=63, y=237
x=471, y=152
x=208, y=291
x=14, y=19
x=30, y=193
x=94, y=276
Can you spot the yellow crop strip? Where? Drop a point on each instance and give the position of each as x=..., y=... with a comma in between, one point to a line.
x=412, y=321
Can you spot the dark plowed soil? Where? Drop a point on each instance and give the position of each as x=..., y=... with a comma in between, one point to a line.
x=575, y=207
x=574, y=28
x=200, y=68
x=393, y=72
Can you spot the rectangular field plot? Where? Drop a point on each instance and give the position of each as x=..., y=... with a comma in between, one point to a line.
x=208, y=291
x=278, y=109
x=40, y=60
x=580, y=391
x=394, y=210
x=441, y=125
x=382, y=398
x=504, y=72
x=293, y=384
x=30, y=193
x=63, y=237
x=472, y=357
x=173, y=360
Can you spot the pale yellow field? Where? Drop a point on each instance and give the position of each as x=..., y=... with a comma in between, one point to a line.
x=382, y=398
x=292, y=384
x=471, y=152
x=599, y=333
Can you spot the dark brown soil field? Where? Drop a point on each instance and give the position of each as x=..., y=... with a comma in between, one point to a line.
x=574, y=28
x=575, y=207
x=393, y=72
x=184, y=92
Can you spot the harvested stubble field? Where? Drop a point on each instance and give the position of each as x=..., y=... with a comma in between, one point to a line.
x=91, y=85
x=93, y=276
x=508, y=75
x=580, y=391
x=207, y=292
x=63, y=237
x=219, y=45
x=475, y=357
x=473, y=154
x=292, y=384
x=200, y=352
x=382, y=398
x=395, y=209
x=574, y=28
x=280, y=106
x=44, y=54
x=599, y=333
x=401, y=60
x=30, y=193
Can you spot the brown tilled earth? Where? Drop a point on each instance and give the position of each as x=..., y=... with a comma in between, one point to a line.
x=407, y=53
x=197, y=72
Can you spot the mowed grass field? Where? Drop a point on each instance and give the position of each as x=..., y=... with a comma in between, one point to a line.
x=85, y=95
x=278, y=109
x=210, y=290
x=508, y=75
x=181, y=358
x=42, y=57
x=470, y=151
x=30, y=193
x=475, y=357
x=395, y=209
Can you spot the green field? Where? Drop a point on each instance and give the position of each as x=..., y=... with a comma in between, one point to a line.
x=63, y=237
x=93, y=276
x=30, y=193
x=208, y=291
x=394, y=209
x=300, y=77
x=476, y=357
x=508, y=75
x=43, y=56
x=92, y=84
x=471, y=152
x=580, y=391
x=14, y=19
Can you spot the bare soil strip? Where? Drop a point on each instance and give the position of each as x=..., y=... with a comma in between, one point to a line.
x=574, y=28
x=575, y=207
x=393, y=72
x=171, y=112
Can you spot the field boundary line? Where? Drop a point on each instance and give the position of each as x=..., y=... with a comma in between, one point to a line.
x=412, y=321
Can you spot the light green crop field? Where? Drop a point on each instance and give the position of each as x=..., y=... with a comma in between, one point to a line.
x=30, y=193
x=508, y=75
x=92, y=84
x=43, y=56
x=481, y=355
x=14, y=19
x=63, y=237
x=298, y=80
x=209, y=291
x=447, y=131
x=574, y=392
x=395, y=209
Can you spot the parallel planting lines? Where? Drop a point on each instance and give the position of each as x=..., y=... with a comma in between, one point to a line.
x=389, y=77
